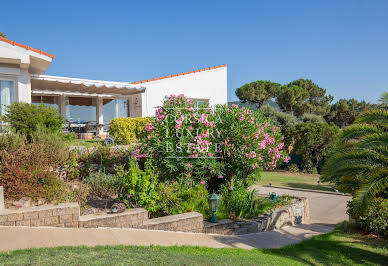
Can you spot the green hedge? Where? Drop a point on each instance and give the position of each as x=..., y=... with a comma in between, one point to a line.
x=127, y=130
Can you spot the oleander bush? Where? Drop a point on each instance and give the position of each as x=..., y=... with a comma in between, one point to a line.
x=127, y=130
x=27, y=119
x=210, y=145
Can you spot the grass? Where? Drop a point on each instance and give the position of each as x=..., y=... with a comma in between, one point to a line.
x=295, y=180
x=334, y=248
x=87, y=142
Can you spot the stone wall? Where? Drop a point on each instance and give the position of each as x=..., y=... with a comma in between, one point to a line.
x=131, y=218
x=187, y=222
x=61, y=215
x=295, y=213
x=68, y=215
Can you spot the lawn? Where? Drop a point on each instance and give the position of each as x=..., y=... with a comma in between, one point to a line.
x=329, y=249
x=87, y=142
x=295, y=180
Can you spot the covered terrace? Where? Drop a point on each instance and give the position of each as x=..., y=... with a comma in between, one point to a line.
x=87, y=105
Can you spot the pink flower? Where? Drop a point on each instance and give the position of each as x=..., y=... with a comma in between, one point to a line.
x=149, y=127
x=202, y=182
x=287, y=159
x=210, y=154
x=242, y=117
x=251, y=120
x=189, y=165
x=220, y=176
x=243, y=136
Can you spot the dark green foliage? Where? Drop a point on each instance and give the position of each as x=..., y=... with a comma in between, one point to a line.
x=2, y=34
x=292, y=99
x=312, y=141
x=138, y=187
x=240, y=202
x=317, y=100
x=281, y=119
x=373, y=218
x=27, y=118
x=257, y=92
x=177, y=198
x=293, y=168
x=236, y=203
x=344, y=112
x=384, y=100
x=313, y=118
x=360, y=161
x=359, y=165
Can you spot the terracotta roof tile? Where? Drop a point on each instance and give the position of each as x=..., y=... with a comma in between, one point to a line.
x=180, y=74
x=26, y=47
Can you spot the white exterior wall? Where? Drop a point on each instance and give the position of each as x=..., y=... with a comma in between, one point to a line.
x=22, y=81
x=208, y=84
x=16, y=63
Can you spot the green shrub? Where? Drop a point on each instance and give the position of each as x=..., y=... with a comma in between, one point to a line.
x=27, y=118
x=211, y=145
x=313, y=118
x=176, y=199
x=313, y=142
x=127, y=130
x=102, y=184
x=27, y=168
x=293, y=168
x=236, y=203
x=373, y=218
x=138, y=187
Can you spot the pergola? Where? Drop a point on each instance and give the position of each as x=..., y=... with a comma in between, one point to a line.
x=66, y=91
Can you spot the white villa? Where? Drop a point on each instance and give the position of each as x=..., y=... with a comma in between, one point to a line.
x=83, y=101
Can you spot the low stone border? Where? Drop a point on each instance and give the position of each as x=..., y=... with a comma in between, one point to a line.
x=68, y=215
x=131, y=218
x=61, y=215
x=295, y=213
x=310, y=190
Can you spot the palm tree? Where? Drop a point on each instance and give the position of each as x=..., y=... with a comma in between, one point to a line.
x=359, y=164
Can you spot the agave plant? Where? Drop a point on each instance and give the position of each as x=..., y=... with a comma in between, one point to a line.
x=359, y=164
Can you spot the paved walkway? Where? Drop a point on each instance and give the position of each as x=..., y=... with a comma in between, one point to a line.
x=12, y=238
x=324, y=208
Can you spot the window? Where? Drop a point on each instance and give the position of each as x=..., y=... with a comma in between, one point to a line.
x=200, y=103
x=51, y=101
x=7, y=94
x=114, y=108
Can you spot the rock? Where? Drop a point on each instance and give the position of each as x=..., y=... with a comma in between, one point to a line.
x=23, y=202
x=118, y=208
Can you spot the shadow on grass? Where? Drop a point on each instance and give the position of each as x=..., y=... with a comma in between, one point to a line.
x=309, y=186
x=326, y=249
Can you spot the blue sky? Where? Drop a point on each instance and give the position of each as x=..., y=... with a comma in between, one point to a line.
x=340, y=45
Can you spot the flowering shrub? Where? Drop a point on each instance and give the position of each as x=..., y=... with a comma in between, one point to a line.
x=127, y=130
x=210, y=145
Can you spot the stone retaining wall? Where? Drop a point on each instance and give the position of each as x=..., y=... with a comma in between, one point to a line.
x=295, y=213
x=131, y=218
x=61, y=215
x=68, y=215
x=187, y=222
